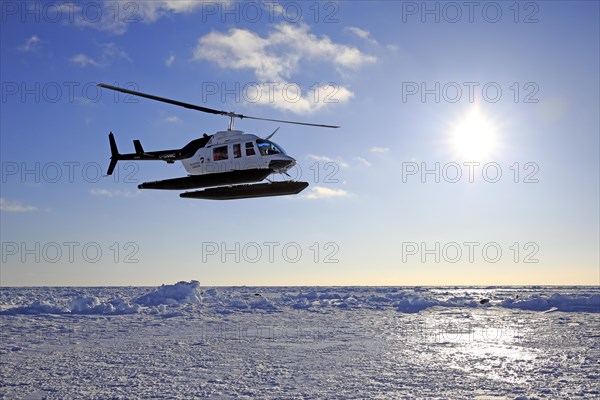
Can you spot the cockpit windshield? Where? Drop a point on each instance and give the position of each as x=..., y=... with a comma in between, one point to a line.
x=268, y=148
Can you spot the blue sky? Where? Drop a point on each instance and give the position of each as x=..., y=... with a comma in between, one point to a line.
x=359, y=209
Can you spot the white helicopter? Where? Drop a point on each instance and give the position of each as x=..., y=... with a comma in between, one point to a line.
x=224, y=162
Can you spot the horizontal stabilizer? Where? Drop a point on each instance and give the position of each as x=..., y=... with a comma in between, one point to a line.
x=247, y=191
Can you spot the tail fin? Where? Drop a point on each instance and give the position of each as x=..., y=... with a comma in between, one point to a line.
x=114, y=154
x=138, y=147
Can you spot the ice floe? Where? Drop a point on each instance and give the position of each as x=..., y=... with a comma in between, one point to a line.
x=188, y=297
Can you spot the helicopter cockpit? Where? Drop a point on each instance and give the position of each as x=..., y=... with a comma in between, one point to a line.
x=268, y=148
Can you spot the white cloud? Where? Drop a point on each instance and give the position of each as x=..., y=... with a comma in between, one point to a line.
x=31, y=44
x=151, y=11
x=83, y=61
x=339, y=161
x=112, y=193
x=172, y=119
x=319, y=158
x=109, y=52
x=15, y=206
x=276, y=9
x=361, y=33
x=106, y=18
x=321, y=192
x=169, y=60
x=363, y=161
x=287, y=96
x=115, y=16
x=366, y=35
x=277, y=56
x=377, y=149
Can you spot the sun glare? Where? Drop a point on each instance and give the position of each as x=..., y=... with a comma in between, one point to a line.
x=474, y=138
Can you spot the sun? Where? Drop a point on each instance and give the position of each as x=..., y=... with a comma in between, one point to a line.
x=475, y=137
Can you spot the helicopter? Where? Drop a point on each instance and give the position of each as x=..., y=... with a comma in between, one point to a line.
x=227, y=165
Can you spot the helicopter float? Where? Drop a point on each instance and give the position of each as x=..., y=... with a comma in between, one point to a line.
x=228, y=164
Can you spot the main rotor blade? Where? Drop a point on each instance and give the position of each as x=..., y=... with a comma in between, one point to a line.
x=287, y=122
x=165, y=100
x=205, y=109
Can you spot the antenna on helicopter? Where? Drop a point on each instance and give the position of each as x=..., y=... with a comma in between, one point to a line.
x=230, y=114
x=271, y=135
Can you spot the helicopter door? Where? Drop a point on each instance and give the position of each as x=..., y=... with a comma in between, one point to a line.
x=251, y=159
x=236, y=151
x=219, y=162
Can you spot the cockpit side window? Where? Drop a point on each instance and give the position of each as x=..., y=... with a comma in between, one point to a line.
x=267, y=148
x=237, y=150
x=263, y=148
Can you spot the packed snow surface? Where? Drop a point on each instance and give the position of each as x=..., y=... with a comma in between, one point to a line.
x=188, y=341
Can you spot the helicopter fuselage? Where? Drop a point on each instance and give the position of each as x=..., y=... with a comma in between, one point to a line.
x=235, y=150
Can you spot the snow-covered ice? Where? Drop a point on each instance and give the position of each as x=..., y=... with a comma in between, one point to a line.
x=189, y=341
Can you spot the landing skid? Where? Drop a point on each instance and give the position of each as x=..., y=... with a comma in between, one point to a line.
x=208, y=180
x=247, y=191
